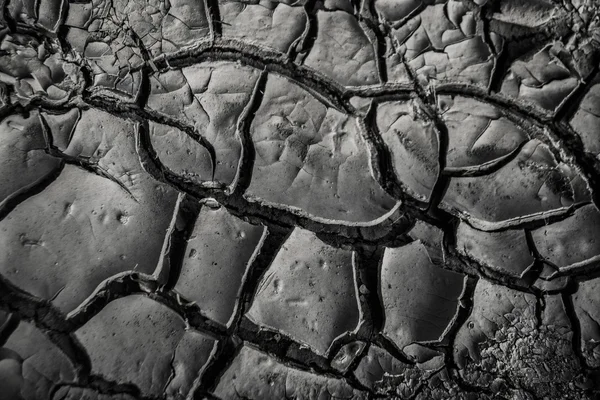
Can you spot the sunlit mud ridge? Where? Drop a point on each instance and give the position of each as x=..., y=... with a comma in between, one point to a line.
x=338, y=199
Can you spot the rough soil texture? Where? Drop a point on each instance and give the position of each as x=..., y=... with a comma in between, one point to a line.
x=299, y=199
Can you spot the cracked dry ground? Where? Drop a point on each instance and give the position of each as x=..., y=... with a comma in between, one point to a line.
x=299, y=199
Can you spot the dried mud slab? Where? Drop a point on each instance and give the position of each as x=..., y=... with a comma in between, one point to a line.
x=116, y=39
x=347, y=355
x=390, y=378
x=308, y=292
x=312, y=157
x=432, y=238
x=77, y=393
x=571, y=243
x=218, y=254
x=46, y=15
x=585, y=120
x=375, y=365
x=342, y=50
x=420, y=299
x=158, y=27
x=180, y=153
x=544, y=79
x=37, y=69
x=504, y=342
x=479, y=136
x=413, y=143
x=140, y=341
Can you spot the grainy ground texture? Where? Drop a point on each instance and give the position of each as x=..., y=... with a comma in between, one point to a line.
x=299, y=199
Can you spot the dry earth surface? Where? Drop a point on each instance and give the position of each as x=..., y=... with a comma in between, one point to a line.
x=299, y=199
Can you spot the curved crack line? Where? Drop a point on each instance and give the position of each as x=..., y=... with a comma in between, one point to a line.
x=223, y=355
x=180, y=230
x=570, y=311
x=530, y=221
x=213, y=14
x=92, y=167
x=82, y=162
x=272, y=240
x=15, y=199
x=486, y=168
x=428, y=103
x=125, y=110
x=299, y=50
x=48, y=319
x=381, y=160
x=325, y=89
x=586, y=269
x=385, y=228
x=129, y=283
x=367, y=262
x=291, y=353
x=245, y=168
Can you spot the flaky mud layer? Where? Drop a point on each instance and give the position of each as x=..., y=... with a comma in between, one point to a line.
x=339, y=199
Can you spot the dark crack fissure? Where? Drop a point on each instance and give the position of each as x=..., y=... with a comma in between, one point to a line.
x=368, y=263
x=13, y=201
x=227, y=350
x=338, y=97
x=48, y=319
x=565, y=143
x=569, y=107
x=569, y=308
x=291, y=353
x=381, y=160
x=214, y=14
x=324, y=89
x=457, y=262
x=130, y=283
x=428, y=104
x=464, y=310
x=244, y=123
x=8, y=327
x=533, y=273
x=332, y=94
x=88, y=166
x=369, y=18
x=388, y=345
x=185, y=220
x=270, y=246
x=484, y=169
x=299, y=50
